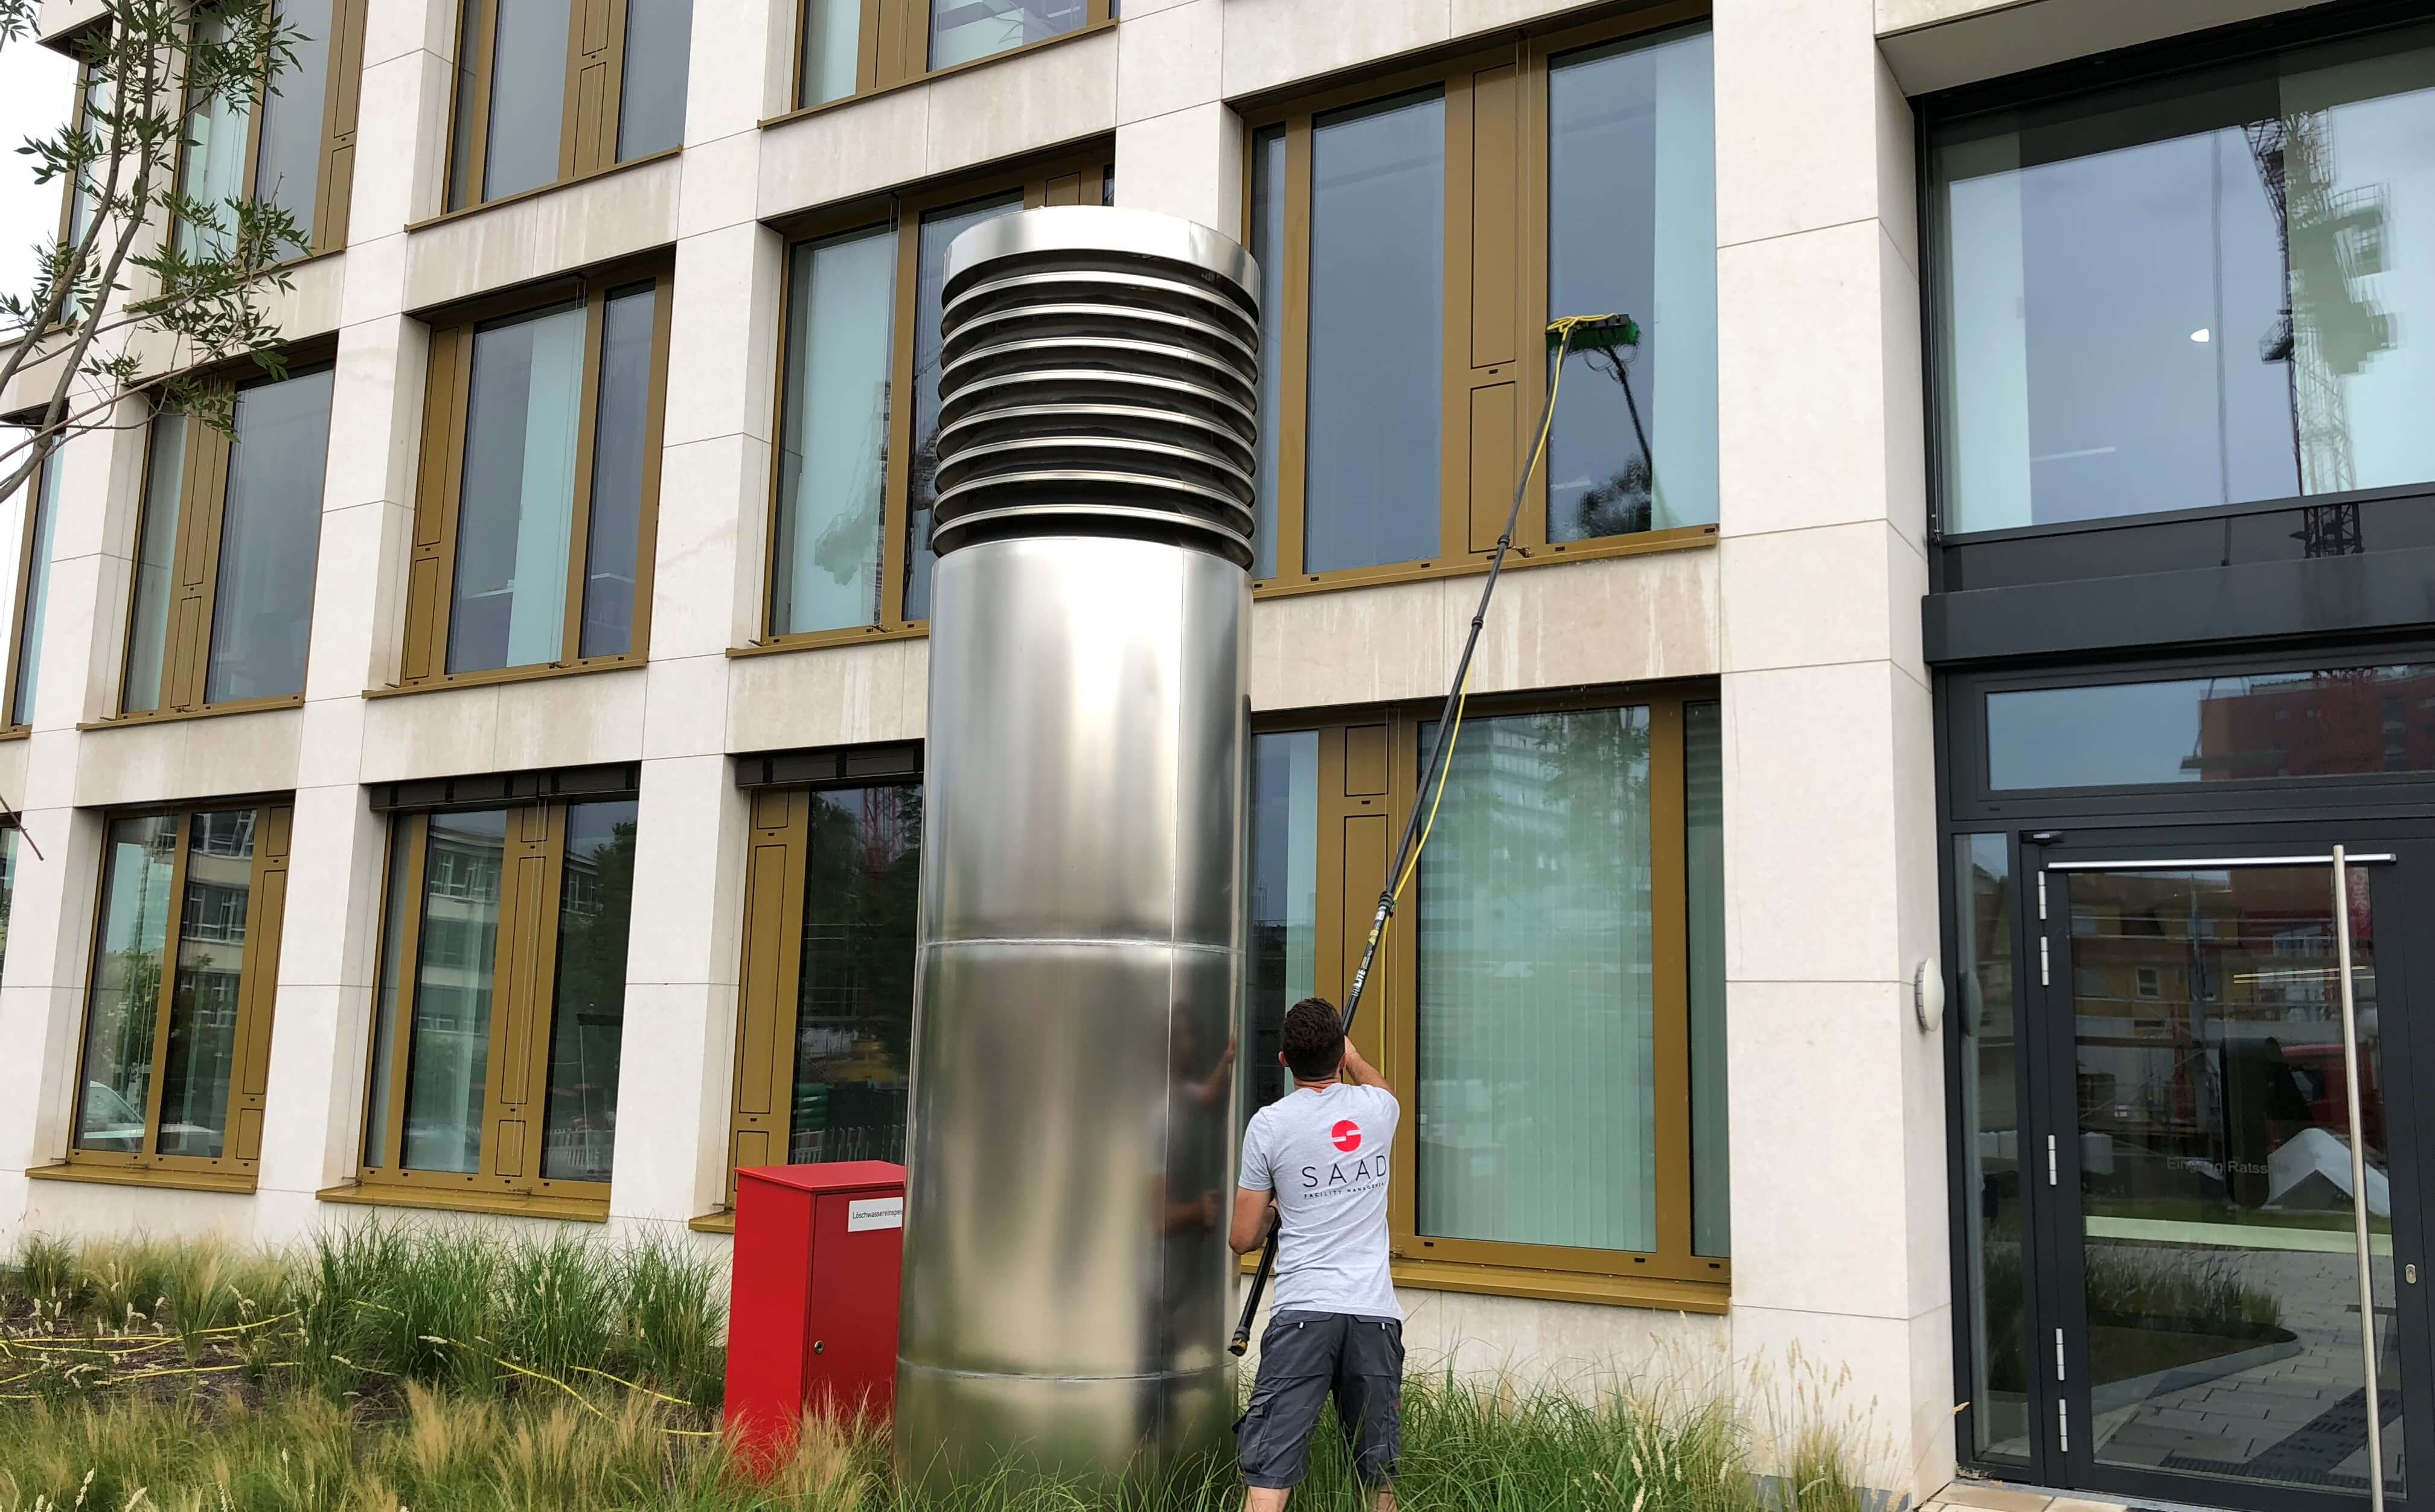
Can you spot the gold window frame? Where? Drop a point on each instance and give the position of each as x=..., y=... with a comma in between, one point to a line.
x=1493, y=361
x=235, y=1167
x=1077, y=179
x=27, y=532
x=592, y=97
x=1367, y=779
x=431, y=582
x=203, y=510
x=892, y=50
x=334, y=185
x=532, y=871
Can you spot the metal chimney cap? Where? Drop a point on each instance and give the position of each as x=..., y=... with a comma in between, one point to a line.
x=1105, y=230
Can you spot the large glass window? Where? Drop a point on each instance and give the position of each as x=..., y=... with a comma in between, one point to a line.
x=1990, y=1118
x=849, y=47
x=1631, y=229
x=2190, y=292
x=543, y=524
x=826, y=1023
x=2226, y=727
x=42, y=513
x=1377, y=297
x=290, y=145
x=1282, y=937
x=1552, y=979
x=850, y=536
x=551, y=89
x=502, y=999
x=222, y=610
x=178, y=1018
x=833, y=462
x=8, y=885
x=1431, y=235
x=1538, y=987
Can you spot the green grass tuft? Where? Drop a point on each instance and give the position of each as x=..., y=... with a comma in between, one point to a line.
x=386, y=1368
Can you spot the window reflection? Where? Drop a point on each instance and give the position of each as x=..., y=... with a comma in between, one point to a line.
x=1377, y=303
x=1283, y=968
x=2238, y=727
x=853, y=1012
x=1536, y=993
x=1991, y=1123
x=833, y=460
x=1631, y=228
x=2191, y=293
x=962, y=30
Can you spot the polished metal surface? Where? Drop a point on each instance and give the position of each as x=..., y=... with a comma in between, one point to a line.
x=1100, y=365
x=1071, y=1148
x=2371, y=1395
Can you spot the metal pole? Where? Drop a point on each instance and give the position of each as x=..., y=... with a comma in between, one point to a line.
x=2359, y=1182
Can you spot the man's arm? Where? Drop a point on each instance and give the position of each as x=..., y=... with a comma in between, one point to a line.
x=1362, y=1072
x=1252, y=1212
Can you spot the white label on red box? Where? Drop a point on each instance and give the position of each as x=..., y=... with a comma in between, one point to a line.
x=874, y=1213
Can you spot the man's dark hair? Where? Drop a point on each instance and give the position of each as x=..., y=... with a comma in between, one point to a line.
x=1313, y=1039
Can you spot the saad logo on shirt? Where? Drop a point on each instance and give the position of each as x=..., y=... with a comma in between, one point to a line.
x=1349, y=1175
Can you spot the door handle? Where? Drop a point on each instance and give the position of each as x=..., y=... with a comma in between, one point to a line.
x=2409, y=1274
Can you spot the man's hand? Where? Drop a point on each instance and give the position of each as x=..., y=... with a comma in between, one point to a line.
x=1362, y=1072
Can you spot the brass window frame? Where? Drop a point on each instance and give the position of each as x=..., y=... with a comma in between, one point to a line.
x=589, y=111
x=1061, y=180
x=892, y=48
x=777, y=858
x=11, y=727
x=1381, y=745
x=194, y=570
x=524, y=975
x=431, y=583
x=341, y=95
x=257, y=999
x=1495, y=252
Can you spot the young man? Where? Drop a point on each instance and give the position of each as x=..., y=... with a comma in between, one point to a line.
x=1315, y=1162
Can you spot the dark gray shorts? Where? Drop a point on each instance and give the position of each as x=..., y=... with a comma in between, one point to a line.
x=1305, y=1356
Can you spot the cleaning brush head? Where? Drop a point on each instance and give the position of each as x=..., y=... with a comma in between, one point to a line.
x=1605, y=333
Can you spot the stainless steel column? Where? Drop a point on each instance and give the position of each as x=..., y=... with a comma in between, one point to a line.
x=1071, y=1146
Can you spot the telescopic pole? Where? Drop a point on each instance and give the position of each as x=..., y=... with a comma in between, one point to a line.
x=1449, y=720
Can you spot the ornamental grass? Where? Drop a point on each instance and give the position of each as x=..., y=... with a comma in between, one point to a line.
x=387, y=1368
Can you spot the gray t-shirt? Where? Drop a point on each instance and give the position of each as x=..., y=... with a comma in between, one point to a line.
x=1323, y=1152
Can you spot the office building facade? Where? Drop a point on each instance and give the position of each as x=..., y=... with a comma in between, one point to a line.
x=1993, y=575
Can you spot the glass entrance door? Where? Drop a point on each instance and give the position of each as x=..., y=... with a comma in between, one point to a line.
x=2203, y=1274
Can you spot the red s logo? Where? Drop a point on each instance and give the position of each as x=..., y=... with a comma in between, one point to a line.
x=1346, y=1134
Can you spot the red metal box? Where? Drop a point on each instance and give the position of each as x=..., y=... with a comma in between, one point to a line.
x=812, y=1313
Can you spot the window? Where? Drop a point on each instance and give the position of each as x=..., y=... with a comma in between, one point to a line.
x=8, y=885
x=222, y=605
x=293, y=146
x=501, y=1003
x=83, y=196
x=826, y=1022
x=850, y=541
x=1414, y=245
x=185, y=963
x=2233, y=726
x=539, y=499
x=852, y=47
x=552, y=90
x=2179, y=294
x=33, y=579
x=1557, y=956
